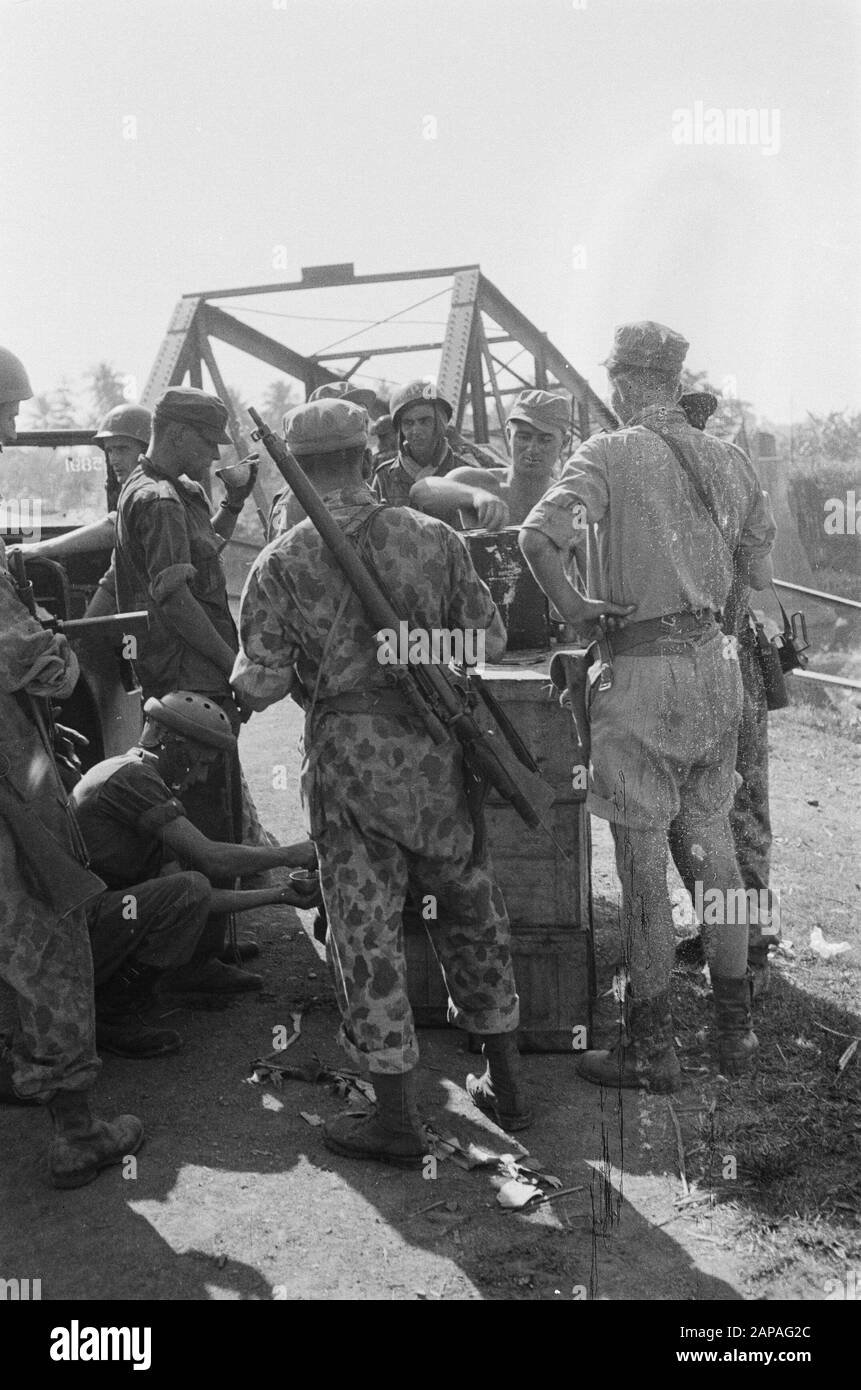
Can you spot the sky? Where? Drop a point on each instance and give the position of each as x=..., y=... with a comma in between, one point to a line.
x=583, y=152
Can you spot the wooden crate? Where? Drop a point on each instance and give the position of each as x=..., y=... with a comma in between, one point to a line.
x=553, y=969
x=547, y=895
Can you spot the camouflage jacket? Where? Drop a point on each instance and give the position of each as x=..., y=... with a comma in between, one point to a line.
x=39, y=663
x=295, y=591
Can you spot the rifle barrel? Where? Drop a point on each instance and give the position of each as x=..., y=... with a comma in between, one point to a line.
x=124, y=621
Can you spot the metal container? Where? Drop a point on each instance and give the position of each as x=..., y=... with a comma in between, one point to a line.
x=521, y=602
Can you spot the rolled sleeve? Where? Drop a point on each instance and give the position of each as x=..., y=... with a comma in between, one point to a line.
x=580, y=497
x=137, y=797
x=170, y=581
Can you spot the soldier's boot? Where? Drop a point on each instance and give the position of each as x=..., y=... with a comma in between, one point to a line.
x=500, y=1092
x=8, y=1094
x=690, y=951
x=391, y=1133
x=645, y=1058
x=759, y=968
x=82, y=1145
x=119, y=1026
x=737, y=1042
x=243, y=950
x=212, y=977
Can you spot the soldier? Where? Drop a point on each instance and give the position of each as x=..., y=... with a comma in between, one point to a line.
x=665, y=714
x=44, y=947
x=285, y=510
x=386, y=436
x=122, y=434
x=388, y=805
x=749, y=818
x=420, y=415
x=135, y=829
x=166, y=560
x=538, y=429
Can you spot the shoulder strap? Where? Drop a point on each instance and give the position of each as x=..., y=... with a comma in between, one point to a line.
x=682, y=460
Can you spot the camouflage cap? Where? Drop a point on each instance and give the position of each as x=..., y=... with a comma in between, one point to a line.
x=546, y=410
x=345, y=391
x=186, y=405
x=647, y=345
x=324, y=427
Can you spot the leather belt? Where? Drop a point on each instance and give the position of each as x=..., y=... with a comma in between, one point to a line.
x=672, y=627
x=364, y=702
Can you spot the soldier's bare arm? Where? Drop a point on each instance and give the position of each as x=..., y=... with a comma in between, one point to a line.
x=475, y=493
x=546, y=562
x=218, y=860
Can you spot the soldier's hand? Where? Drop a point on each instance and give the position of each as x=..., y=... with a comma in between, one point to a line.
x=491, y=511
x=237, y=496
x=302, y=855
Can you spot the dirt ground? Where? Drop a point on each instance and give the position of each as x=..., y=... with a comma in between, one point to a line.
x=235, y=1197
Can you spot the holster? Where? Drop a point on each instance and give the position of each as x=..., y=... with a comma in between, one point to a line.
x=570, y=673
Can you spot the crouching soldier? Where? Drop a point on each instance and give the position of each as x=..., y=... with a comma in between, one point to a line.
x=149, y=930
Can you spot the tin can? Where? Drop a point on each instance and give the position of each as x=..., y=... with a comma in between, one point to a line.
x=522, y=603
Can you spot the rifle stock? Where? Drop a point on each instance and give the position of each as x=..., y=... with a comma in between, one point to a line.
x=431, y=690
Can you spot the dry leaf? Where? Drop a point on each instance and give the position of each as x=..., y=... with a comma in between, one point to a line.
x=847, y=1055
x=311, y=1119
x=515, y=1194
x=826, y=950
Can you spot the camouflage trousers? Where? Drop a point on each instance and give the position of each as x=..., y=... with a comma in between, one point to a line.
x=46, y=962
x=388, y=814
x=749, y=817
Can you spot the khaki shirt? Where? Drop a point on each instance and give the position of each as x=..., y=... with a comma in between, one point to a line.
x=165, y=539
x=640, y=533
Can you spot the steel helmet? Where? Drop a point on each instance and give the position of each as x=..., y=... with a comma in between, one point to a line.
x=424, y=390
x=126, y=422
x=345, y=391
x=194, y=716
x=14, y=382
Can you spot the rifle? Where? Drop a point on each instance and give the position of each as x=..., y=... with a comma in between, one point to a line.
x=429, y=690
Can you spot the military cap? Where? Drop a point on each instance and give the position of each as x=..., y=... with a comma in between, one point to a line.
x=698, y=406
x=381, y=424
x=186, y=405
x=324, y=427
x=422, y=391
x=647, y=345
x=345, y=391
x=546, y=410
